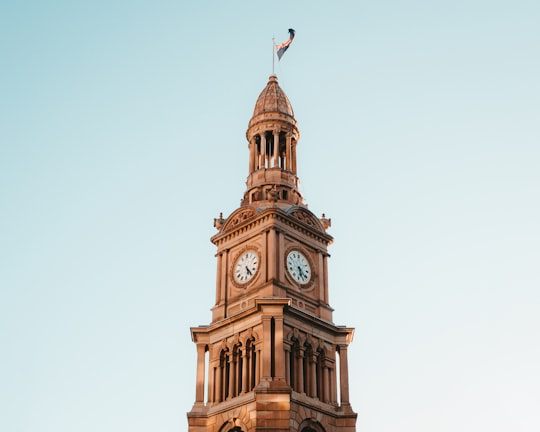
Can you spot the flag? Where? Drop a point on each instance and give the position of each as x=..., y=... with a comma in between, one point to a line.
x=285, y=45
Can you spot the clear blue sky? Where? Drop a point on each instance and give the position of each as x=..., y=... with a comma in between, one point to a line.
x=122, y=136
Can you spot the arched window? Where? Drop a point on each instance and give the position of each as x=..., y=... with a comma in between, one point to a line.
x=258, y=161
x=236, y=371
x=224, y=374
x=282, y=150
x=233, y=425
x=311, y=425
x=269, y=148
x=251, y=365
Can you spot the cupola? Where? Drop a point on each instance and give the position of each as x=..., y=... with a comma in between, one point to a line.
x=272, y=135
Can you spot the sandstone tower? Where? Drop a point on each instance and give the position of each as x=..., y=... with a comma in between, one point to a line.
x=272, y=359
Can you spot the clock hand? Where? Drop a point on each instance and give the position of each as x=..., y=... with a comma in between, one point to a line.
x=248, y=272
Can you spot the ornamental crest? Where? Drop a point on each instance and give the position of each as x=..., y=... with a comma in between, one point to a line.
x=238, y=217
x=306, y=217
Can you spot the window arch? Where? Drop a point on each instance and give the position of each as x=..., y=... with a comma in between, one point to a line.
x=311, y=425
x=233, y=425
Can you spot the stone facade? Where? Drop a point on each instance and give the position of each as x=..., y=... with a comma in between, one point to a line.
x=272, y=359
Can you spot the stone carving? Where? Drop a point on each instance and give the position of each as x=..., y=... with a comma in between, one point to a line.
x=326, y=223
x=219, y=222
x=239, y=217
x=307, y=217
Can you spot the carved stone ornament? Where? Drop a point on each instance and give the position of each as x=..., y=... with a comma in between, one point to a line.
x=307, y=217
x=238, y=217
x=326, y=222
x=219, y=222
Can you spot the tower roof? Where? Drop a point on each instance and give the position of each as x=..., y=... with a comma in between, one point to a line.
x=273, y=99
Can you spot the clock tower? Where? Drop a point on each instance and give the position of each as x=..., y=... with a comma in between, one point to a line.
x=272, y=359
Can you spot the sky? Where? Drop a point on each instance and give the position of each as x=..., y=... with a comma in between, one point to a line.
x=122, y=136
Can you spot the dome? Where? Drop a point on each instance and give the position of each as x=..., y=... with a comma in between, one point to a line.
x=273, y=100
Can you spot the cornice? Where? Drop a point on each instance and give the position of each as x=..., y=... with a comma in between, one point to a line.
x=330, y=409
x=318, y=322
x=269, y=117
x=259, y=220
x=259, y=304
x=224, y=406
x=289, y=310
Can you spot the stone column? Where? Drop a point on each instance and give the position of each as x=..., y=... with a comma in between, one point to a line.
x=266, y=349
x=276, y=148
x=325, y=282
x=223, y=282
x=333, y=387
x=218, y=278
x=300, y=369
x=245, y=368
x=293, y=157
x=312, y=360
x=326, y=384
x=236, y=378
x=332, y=373
x=218, y=389
x=271, y=254
x=252, y=154
x=279, y=352
x=287, y=348
x=211, y=381
x=288, y=152
x=322, y=277
x=279, y=255
x=344, y=375
x=231, y=375
x=264, y=263
x=258, y=365
x=199, y=388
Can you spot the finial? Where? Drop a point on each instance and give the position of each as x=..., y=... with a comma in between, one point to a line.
x=219, y=222
x=326, y=223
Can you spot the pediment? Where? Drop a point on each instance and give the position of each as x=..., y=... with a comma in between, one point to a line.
x=305, y=216
x=238, y=216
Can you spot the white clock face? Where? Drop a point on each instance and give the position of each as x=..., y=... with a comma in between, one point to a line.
x=246, y=267
x=298, y=267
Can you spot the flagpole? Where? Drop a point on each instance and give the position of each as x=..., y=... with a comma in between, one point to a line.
x=273, y=54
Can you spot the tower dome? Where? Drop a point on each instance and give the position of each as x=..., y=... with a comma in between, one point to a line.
x=273, y=99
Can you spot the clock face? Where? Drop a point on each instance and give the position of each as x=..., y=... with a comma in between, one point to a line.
x=246, y=267
x=298, y=267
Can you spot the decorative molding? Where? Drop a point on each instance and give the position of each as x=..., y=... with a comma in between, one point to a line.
x=306, y=217
x=237, y=217
x=250, y=223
